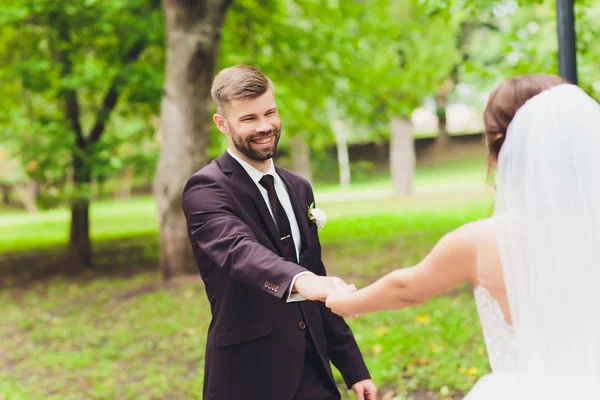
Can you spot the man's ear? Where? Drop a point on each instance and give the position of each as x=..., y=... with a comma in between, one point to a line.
x=221, y=123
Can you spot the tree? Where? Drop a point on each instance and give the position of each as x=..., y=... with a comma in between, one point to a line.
x=404, y=52
x=73, y=62
x=193, y=36
x=471, y=20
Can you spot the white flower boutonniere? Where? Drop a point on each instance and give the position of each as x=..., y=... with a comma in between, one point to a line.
x=317, y=216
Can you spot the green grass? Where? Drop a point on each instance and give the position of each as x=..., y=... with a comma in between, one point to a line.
x=133, y=337
x=109, y=220
x=113, y=220
x=468, y=169
x=110, y=338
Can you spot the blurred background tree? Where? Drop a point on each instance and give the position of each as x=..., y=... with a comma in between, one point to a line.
x=82, y=118
x=72, y=66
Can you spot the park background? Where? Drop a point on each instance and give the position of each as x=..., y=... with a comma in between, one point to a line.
x=105, y=112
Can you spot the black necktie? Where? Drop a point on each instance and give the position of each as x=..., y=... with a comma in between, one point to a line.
x=281, y=219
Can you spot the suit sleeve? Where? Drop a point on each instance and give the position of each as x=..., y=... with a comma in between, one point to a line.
x=343, y=349
x=229, y=242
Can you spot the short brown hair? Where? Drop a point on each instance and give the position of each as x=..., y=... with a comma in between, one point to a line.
x=238, y=82
x=505, y=101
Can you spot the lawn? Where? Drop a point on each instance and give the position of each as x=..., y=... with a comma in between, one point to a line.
x=133, y=337
x=114, y=220
x=466, y=170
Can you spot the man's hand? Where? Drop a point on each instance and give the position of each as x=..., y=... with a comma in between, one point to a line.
x=338, y=304
x=315, y=287
x=365, y=390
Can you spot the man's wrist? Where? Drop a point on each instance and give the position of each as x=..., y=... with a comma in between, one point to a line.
x=293, y=294
x=294, y=288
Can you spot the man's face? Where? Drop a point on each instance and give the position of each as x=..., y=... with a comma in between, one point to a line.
x=252, y=126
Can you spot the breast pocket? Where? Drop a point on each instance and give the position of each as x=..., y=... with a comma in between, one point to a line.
x=244, y=333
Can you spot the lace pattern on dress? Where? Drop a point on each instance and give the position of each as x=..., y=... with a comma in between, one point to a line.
x=498, y=334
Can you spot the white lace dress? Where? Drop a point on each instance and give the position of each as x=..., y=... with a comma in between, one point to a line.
x=501, y=349
x=498, y=335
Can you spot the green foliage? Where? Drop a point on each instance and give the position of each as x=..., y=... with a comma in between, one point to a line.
x=359, y=61
x=524, y=40
x=69, y=61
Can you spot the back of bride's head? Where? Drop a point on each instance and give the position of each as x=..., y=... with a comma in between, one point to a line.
x=547, y=198
x=505, y=101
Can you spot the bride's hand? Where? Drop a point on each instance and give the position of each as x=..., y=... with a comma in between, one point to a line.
x=342, y=287
x=337, y=301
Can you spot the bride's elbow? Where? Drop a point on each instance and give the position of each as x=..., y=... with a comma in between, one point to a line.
x=405, y=293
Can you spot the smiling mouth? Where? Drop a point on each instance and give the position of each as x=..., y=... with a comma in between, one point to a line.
x=263, y=141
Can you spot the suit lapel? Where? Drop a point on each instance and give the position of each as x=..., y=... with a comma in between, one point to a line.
x=300, y=211
x=240, y=177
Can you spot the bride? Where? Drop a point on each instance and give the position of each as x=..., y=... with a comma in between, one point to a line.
x=534, y=264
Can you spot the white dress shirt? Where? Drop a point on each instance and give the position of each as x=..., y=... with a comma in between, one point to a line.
x=284, y=199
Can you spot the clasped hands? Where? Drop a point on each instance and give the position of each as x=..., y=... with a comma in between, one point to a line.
x=324, y=288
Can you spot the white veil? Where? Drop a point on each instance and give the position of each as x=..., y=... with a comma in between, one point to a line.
x=548, y=208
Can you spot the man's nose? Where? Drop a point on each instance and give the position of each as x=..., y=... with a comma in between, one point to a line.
x=264, y=126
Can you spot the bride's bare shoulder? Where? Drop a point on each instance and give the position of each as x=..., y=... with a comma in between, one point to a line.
x=476, y=229
x=474, y=236
x=465, y=239
x=466, y=244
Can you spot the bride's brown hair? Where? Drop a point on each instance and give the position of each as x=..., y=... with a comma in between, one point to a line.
x=505, y=101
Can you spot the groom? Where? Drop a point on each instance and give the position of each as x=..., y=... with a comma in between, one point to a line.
x=271, y=337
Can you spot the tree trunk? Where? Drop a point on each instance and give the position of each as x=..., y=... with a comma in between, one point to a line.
x=441, y=100
x=126, y=189
x=402, y=156
x=79, y=254
x=28, y=194
x=94, y=189
x=301, y=157
x=100, y=186
x=5, y=194
x=339, y=129
x=193, y=40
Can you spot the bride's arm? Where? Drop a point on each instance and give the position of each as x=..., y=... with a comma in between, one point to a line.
x=451, y=262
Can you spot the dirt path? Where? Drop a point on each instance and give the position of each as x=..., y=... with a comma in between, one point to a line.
x=441, y=189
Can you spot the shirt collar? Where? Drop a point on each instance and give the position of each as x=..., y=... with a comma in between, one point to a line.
x=255, y=174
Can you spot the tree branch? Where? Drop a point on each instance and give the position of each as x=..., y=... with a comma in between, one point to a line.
x=226, y=5
x=112, y=95
x=69, y=95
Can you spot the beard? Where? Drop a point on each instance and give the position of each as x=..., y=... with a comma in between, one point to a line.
x=244, y=145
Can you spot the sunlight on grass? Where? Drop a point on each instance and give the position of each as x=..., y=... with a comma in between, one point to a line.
x=112, y=219
x=469, y=170
x=108, y=219
x=137, y=338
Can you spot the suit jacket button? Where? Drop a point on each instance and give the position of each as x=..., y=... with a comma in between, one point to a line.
x=302, y=325
x=266, y=284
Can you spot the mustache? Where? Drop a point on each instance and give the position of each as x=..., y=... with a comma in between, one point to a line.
x=264, y=134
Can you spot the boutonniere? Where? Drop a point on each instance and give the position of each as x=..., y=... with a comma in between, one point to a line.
x=317, y=216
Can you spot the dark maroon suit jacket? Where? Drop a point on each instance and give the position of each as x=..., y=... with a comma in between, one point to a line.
x=256, y=341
